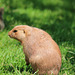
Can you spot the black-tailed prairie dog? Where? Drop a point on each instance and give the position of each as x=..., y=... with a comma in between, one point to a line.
x=39, y=48
x=1, y=19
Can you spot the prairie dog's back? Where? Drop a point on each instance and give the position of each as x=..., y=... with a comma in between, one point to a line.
x=41, y=39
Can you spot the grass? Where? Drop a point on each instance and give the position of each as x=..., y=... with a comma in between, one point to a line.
x=55, y=17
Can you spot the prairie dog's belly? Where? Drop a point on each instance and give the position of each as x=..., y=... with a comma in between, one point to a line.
x=45, y=60
x=45, y=63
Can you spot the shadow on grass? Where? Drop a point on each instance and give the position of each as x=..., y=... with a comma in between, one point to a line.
x=40, y=5
x=18, y=69
x=65, y=4
x=8, y=68
x=71, y=56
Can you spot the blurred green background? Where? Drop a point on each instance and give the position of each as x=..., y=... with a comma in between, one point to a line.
x=57, y=17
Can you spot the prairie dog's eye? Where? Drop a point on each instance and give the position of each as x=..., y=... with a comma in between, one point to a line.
x=15, y=31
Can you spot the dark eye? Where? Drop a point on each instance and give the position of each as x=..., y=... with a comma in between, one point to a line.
x=15, y=31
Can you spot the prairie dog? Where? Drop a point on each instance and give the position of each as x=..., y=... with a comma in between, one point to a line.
x=40, y=50
x=1, y=19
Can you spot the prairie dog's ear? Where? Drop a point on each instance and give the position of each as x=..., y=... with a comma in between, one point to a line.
x=27, y=31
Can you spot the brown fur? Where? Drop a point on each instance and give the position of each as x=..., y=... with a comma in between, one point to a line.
x=1, y=19
x=39, y=48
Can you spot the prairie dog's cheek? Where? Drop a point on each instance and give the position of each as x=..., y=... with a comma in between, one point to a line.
x=22, y=35
x=13, y=34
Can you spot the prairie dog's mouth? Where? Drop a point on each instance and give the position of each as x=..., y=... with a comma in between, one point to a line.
x=10, y=35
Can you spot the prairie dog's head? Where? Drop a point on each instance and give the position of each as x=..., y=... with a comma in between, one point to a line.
x=20, y=32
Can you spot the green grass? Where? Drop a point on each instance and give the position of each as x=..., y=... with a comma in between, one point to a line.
x=54, y=16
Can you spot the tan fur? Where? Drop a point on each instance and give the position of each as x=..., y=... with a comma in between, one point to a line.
x=1, y=19
x=39, y=48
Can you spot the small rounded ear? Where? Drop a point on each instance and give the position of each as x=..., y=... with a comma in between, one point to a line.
x=27, y=31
